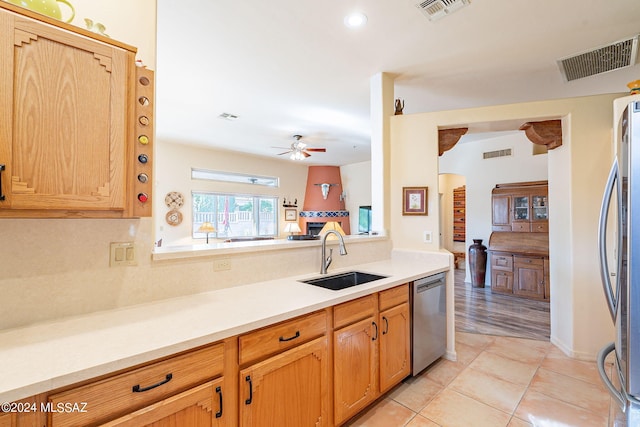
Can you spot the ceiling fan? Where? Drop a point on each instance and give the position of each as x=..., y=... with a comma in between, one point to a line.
x=299, y=150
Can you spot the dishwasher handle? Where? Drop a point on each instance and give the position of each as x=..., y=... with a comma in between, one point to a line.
x=423, y=285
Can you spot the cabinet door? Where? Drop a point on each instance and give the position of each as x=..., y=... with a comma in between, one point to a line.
x=201, y=406
x=287, y=390
x=501, y=212
x=395, y=344
x=502, y=281
x=521, y=208
x=529, y=280
x=355, y=368
x=64, y=102
x=6, y=420
x=539, y=213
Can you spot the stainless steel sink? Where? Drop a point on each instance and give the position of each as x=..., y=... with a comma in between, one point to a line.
x=337, y=282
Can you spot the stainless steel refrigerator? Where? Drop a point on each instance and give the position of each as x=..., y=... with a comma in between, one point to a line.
x=619, y=248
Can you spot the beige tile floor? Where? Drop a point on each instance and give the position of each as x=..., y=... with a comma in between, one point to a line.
x=497, y=381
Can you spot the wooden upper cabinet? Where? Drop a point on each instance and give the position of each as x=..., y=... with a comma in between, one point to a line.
x=520, y=207
x=68, y=106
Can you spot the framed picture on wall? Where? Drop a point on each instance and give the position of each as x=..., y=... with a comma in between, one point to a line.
x=414, y=200
x=290, y=214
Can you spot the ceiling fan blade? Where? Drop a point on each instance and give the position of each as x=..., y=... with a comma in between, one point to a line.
x=286, y=152
x=305, y=154
x=317, y=150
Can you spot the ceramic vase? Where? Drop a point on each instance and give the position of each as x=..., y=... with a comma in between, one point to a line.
x=477, y=263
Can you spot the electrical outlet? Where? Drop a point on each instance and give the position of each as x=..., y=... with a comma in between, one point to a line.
x=427, y=237
x=122, y=254
x=222, y=264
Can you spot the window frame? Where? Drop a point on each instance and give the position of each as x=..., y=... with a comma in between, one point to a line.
x=256, y=199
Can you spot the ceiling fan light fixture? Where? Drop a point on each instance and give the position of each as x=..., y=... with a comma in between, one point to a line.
x=297, y=155
x=228, y=116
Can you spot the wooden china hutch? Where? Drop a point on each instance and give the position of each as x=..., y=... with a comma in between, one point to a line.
x=519, y=244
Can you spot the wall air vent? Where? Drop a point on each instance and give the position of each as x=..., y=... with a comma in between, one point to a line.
x=498, y=153
x=436, y=9
x=620, y=54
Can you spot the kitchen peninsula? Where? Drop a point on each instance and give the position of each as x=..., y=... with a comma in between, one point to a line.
x=58, y=354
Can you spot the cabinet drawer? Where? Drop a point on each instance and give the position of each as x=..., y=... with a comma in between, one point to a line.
x=539, y=227
x=280, y=337
x=394, y=296
x=352, y=311
x=525, y=261
x=115, y=396
x=520, y=226
x=502, y=262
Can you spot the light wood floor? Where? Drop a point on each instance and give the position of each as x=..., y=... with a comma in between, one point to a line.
x=480, y=311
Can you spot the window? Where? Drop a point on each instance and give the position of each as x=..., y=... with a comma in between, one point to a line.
x=235, y=215
x=211, y=175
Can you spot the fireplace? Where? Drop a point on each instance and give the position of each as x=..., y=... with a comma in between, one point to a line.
x=323, y=200
x=314, y=228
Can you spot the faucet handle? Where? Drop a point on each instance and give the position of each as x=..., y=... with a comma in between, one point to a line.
x=329, y=258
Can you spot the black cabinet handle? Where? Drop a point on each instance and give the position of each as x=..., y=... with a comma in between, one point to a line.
x=375, y=337
x=386, y=325
x=137, y=389
x=219, y=391
x=1, y=195
x=283, y=339
x=250, y=399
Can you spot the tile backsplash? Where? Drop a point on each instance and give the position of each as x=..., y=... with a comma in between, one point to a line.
x=55, y=268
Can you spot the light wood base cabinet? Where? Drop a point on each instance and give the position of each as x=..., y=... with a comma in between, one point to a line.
x=395, y=346
x=201, y=406
x=355, y=368
x=372, y=354
x=317, y=370
x=287, y=390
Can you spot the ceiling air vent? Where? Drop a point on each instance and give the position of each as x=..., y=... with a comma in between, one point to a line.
x=617, y=55
x=498, y=153
x=436, y=9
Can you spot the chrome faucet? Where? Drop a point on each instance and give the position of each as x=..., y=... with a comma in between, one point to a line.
x=326, y=260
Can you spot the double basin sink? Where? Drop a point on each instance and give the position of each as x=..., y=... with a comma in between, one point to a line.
x=337, y=282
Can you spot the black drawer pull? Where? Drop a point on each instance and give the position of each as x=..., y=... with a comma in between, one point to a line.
x=250, y=399
x=375, y=337
x=386, y=325
x=219, y=391
x=138, y=389
x=283, y=339
x=1, y=195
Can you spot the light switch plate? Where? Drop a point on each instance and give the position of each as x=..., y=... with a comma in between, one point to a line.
x=427, y=237
x=123, y=254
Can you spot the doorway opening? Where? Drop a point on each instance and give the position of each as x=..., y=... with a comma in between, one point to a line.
x=478, y=309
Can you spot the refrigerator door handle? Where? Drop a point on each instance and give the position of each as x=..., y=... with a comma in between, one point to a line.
x=615, y=393
x=612, y=300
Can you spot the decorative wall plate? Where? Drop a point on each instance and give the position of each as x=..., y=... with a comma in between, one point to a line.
x=174, y=200
x=173, y=217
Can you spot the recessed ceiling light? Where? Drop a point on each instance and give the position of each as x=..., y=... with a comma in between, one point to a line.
x=355, y=20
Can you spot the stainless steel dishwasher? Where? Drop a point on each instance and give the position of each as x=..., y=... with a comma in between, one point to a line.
x=429, y=326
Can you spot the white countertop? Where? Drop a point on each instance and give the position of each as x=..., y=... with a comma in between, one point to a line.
x=47, y=356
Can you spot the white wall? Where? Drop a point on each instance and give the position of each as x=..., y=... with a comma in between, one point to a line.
x=173, y=163
x=356, y=180
x=577, y=171
x=482, y=176
x=131, y=22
